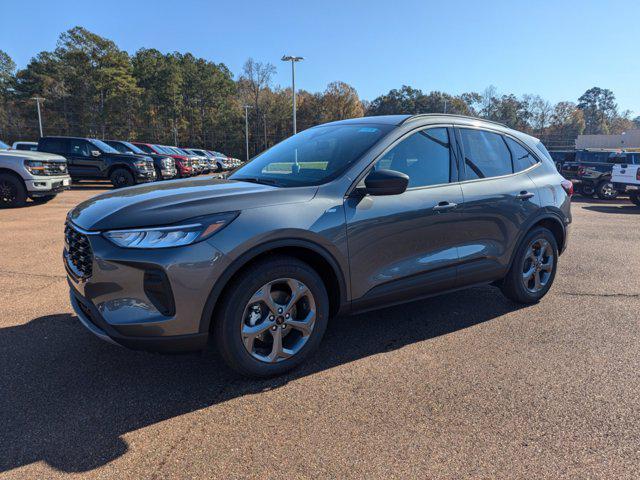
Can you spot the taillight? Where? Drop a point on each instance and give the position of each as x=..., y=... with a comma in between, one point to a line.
x=567, y=185
x=638, y=174
x=581, y=171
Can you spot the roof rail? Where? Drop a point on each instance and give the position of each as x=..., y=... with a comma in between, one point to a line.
x=413, y=117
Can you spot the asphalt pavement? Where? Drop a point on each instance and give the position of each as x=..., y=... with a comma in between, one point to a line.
x=465, y=385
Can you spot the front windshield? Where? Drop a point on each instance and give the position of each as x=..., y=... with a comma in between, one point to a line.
x=163, y=149
x=3, y=146
x=133, y=148
x=103, y=146
x=312, y=157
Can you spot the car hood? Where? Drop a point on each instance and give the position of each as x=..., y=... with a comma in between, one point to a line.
x=165, y=203
x=31, y=155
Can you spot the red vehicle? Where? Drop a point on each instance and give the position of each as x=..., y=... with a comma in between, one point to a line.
x=183, y=164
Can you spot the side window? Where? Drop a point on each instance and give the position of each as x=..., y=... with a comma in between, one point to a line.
x=425, y=157
x=54, y=145
x=522, y=158
x=79, y=147
x=485, y=154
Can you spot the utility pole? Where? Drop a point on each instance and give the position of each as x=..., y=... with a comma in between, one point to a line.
x=246, y=128
x=38, y=99
x=264, y=122
x=445, y=105
x=293, y=60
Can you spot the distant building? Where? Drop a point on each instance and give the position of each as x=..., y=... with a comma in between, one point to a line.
x=629, y=140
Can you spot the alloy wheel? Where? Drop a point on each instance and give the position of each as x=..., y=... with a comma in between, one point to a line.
x=278, y=320
x=7, y=192
x=538, y=265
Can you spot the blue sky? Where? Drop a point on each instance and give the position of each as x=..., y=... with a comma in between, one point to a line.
x=557, y=49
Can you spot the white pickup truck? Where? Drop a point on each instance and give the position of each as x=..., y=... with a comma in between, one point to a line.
x=25, y=174
x=626, y=177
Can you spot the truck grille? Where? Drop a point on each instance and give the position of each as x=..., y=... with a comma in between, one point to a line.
x=79, y=254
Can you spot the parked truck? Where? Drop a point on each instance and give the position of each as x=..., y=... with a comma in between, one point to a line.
x=25, y=174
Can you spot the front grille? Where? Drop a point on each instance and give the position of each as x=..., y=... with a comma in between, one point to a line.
x=52, y=168
x=79, y=255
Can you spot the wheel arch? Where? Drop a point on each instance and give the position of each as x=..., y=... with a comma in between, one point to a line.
x=549, y=220
x=116, y=166
x=321, y=260
x=13, y=173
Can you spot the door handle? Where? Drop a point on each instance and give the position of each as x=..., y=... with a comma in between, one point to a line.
x=444, y=206
x=524, y=195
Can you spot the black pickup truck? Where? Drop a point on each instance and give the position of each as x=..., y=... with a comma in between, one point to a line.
x=590, y=172
x=92, y=159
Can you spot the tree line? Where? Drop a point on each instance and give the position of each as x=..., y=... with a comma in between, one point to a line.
x=93, y=88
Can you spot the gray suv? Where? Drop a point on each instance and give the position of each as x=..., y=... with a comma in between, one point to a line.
x=341, y=218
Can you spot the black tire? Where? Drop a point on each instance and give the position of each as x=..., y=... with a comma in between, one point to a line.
x=635, y=198
x=43, y=199
x=229, y=316
x=513, y=286
x=587, y=190
x=13, y=193
x=606, y=191
x=121, y=177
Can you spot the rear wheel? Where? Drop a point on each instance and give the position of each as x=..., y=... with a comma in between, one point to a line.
x=121, y=177
x=272, y=317
x=606, y=191
x=635, y=198
x=533, y=269
x=12, y=191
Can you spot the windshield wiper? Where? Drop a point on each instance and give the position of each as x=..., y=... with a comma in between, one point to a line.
x=261, y=181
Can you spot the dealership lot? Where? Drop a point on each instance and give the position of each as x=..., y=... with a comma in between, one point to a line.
x=463, y=385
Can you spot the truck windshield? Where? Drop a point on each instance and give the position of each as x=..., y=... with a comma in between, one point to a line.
x=103, y=146
x=312, y=157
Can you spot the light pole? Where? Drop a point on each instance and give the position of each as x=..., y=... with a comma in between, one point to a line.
x=246, y=128
x=293, y=60
x=38, y=99
x=264, y=122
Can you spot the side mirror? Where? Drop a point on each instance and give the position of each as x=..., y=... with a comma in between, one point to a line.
x=386, y=182
x=95, y=153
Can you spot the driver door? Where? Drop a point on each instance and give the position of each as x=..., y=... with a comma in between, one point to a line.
x=405, y=246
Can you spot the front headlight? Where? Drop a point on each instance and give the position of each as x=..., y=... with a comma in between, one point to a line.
x=188, y=232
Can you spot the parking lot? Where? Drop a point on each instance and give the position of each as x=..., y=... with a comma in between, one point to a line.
x=463, y=385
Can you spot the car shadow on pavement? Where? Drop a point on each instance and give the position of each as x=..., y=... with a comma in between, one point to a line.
x=627, y=209
x=67, y=398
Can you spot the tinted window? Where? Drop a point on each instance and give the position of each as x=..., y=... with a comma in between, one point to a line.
x=118, y=146
x=593, y=157
x=79, y=147
x=485, y=154
x=424, y=157
x=522, y=158
x=26, y=146
x=53, y=145
x=313, y=156
x=145, y=148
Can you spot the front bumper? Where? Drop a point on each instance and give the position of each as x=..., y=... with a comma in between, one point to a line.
x=119, y=299
x=44, y=186
x=143, y=176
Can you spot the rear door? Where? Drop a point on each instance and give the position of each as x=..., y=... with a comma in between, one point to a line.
x=404, y=246
x=499, y=200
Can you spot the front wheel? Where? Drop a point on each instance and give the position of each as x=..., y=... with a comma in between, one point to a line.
x=272, y=317
x=635, y=198
x=606, y=191
x=12, y=191
x=533, y=269
x=121, y=177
